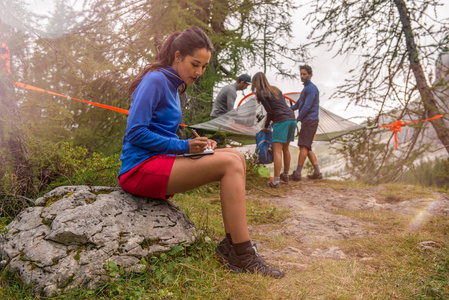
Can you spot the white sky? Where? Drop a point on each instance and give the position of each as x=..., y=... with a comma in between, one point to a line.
x=329, y=72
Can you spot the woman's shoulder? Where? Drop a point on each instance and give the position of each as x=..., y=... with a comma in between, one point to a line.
x=153, y=81
x=155, y=76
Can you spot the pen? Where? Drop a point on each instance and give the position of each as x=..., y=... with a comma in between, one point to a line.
x=195, y=133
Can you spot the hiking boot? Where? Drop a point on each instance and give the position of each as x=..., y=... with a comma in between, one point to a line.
x=251, y=262
x=315, y=176
x=271, y=184
x=295, y=176
x=284, y=177
x=223, y=249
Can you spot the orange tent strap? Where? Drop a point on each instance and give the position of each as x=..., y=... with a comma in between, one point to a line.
x=33, y=88
x=397, y=126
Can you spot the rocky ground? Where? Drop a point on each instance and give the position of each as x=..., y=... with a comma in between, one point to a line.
x=314, y=218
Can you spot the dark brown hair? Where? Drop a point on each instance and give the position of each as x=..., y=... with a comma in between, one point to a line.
x=307, y=68
x=260, y=86
x=186, y=42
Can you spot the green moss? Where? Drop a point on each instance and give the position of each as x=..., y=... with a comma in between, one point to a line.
x=52, y=200
x=90, y=200
x=69, y=281
x=121, y=239
x=77, y=255
x=22, y=256
x=107, y=191
x=147, y=243
x=45, y=222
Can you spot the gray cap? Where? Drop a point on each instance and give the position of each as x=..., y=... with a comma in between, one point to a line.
x=246, y=78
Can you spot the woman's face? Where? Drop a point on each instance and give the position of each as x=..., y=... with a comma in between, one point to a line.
x=191, y=67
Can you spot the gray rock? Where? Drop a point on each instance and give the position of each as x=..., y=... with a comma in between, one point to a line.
x=65, y=240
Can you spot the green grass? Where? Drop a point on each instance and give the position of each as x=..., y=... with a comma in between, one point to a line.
x=388, y=264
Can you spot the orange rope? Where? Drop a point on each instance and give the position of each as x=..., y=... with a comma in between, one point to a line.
x=33, y=88
x=397, y=126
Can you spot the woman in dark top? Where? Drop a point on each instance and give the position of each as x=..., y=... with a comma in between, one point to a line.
x=284, y=124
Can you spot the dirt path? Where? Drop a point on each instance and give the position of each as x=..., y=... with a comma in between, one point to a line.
x=314, y=206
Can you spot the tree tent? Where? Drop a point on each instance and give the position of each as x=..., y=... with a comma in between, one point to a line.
x=249, y=117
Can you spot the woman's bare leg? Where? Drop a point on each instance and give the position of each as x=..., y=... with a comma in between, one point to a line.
x=242, y=158
x=226, y=167
x=277, y=158
x=287, y=157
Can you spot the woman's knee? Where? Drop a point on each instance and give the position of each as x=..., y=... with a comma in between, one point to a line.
x=233, y=162
x=238, y=153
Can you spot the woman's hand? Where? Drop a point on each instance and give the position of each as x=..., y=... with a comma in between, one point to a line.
x=198, y=145
x=265, y=130
x=212, y=144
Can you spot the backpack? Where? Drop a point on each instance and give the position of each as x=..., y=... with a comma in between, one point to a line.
x=264, y=147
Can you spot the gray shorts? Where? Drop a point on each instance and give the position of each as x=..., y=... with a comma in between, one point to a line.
x=307, y=133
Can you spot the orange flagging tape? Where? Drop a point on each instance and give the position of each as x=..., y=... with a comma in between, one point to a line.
x=396, y=127
x=33, y=88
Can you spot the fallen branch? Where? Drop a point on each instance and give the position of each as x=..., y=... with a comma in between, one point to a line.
x=262, y=190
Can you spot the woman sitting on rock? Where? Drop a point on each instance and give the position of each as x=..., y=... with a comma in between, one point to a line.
x=153, y=164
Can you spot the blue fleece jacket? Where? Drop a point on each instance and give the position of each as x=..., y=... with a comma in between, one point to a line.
x=153, y=119
x=308, y=103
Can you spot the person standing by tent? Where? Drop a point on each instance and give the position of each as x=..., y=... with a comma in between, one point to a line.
x=284, y=125
x=226, y=97
x=152, y=162
x=308, y=105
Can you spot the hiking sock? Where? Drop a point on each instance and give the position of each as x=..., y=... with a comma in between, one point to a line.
x=298, y=169
x=317, y=169
x=228, y=235
x=276, y=180
x=241, y=247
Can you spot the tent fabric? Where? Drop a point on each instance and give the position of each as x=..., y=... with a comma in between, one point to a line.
x=331, y=125
x=248, y=119
x=242, y=120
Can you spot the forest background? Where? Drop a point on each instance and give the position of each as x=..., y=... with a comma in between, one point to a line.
x=46, y=140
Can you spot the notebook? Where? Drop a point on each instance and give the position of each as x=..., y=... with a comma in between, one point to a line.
x=205, y=152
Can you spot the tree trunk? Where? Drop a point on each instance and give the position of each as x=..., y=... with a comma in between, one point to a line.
x=427, y=97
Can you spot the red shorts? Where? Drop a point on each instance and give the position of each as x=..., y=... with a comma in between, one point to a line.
x=149, y=178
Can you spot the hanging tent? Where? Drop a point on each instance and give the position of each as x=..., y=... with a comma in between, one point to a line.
x=249, y=117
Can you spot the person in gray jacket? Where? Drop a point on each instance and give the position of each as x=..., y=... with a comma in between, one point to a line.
x=226, y=97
